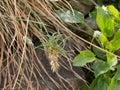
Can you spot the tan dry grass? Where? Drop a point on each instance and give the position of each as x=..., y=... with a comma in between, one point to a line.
x=19, y=62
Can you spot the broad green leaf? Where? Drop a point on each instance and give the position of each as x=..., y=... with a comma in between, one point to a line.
x=113, y=11
x=105, y=21
x=104, y=41
x=83, y=58
x=109, y=46
x=100, y=83
x=118, y=73
x=111, y=60
x=114, y=85
x=99, y=53
x=116, y=41
x=100, y=67
x=71, y=16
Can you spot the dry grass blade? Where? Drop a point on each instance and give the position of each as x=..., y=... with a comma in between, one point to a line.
x=21, y=65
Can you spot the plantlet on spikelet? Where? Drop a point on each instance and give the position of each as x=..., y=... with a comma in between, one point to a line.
x=54, y=46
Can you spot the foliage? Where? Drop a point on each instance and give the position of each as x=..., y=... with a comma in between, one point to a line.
x=81, y=60
x=70, y=16
x=100, y=83
x=104, y=21
x=28, y=24
x=107, y=19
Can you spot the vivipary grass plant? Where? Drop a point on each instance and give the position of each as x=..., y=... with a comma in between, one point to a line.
x=24, y=25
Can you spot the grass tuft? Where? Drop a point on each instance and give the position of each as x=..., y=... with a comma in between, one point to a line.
x=24, y=25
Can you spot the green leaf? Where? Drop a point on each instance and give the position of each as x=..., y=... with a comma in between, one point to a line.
x=109, y=46
x=116, y=41
x=113, y=11
x=71, y=16
x=118, y=73
x=115, y=84
x=104, y=41
x=100, y=67
x=111, y=60
x=99, y=53
x=93, y=15
x=84, y=87
x=105, y=21
x=83, y=58
x=100, y=83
